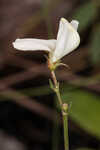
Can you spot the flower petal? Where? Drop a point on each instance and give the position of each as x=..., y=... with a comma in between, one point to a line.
x=67, y=39
x=34, y=44
x=75, y=24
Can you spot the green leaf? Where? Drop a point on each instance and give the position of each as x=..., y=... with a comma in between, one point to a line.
x=85, y=14
x=85, y=110
x=95, y=45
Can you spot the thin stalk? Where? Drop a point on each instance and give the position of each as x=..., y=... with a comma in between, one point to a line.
x=56, y=84
x=54, y=78
x=65, y=124
x=64, y=108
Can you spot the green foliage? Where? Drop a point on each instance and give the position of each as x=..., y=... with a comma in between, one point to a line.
x=85, y=14
x=95, y=45
x=85, y=110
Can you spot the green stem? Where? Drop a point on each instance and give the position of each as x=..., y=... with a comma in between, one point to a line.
x=59, y=98
x=64, y=108
x=57, y=91
x=65, y=124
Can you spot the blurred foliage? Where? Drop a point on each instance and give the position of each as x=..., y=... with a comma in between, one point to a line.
x=56, y=131
x=85, y=14
x=95, y=45
x=84, y=105
x=31, y=23
x=39, y=91
x=85, y=109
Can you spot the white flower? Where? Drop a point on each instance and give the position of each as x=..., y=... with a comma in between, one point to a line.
x=68, y=39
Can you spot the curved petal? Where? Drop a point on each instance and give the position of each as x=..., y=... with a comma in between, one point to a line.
x=34, y=44
x=67, y=40
x=75, y=24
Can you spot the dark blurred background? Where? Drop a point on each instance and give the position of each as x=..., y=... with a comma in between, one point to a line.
x=29, y=113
